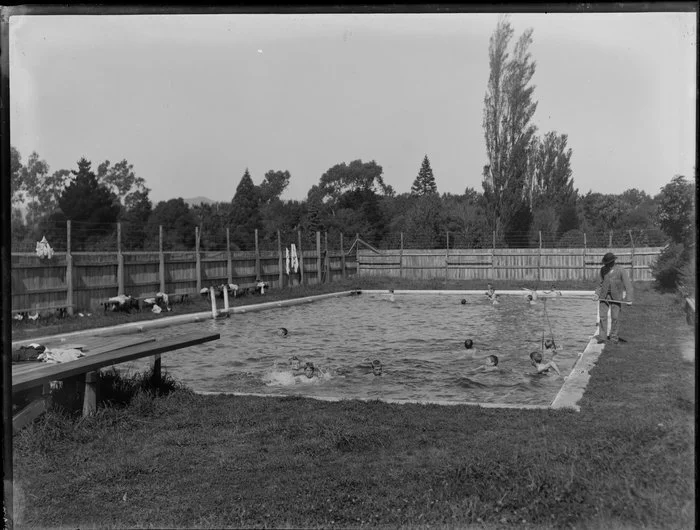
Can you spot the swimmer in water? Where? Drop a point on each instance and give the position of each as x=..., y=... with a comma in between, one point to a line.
x=553, y=290
x=530, y=300
x=295, y=364
x=537, y=361
x=282, y=332
x=463, y=301
x=490, y=291
x=391, y=296
x=309, y=370
x=469, y=344
x=550, y=345
x=377, y=367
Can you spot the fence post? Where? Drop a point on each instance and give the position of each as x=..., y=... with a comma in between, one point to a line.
x=161, y=259
x=257, y=257
x=357, y=252
x=300, y=258
x=539, y=259
x=318, y=257
x=197, y=260
x=493, y=256
x=447, y=253
x=584, y=256
x=120, y=261
x=280, y=260
x=327, y=264
x=69, y=271
x=401, y=258
x=229, y=264
x=342, y=257
x=632, y=256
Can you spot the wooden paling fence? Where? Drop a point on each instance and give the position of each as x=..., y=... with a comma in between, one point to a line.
x=532, y=265
x=82, y=281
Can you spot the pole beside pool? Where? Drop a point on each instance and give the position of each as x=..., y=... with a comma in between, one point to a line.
x=225, y=298
x=212, y=295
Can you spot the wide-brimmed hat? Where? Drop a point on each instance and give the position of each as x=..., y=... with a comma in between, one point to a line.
x=608, y=258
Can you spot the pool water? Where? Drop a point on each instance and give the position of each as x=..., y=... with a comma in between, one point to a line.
x=418, y=338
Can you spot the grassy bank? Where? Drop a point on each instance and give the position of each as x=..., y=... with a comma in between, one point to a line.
x=28, y=329
x=189, y=461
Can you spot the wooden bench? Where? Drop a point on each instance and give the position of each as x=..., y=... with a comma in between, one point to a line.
x=26, y=376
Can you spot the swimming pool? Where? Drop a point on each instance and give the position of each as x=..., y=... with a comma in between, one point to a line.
x=419, y=338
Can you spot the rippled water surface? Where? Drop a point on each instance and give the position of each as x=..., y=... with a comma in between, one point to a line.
x=418, y=338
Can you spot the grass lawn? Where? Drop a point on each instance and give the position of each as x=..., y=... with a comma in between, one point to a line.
x=183, y=460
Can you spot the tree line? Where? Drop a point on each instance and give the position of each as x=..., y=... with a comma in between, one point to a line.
x=527, y=190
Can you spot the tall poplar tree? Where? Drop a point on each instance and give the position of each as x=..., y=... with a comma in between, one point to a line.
x=425, y=181
x=508, y=130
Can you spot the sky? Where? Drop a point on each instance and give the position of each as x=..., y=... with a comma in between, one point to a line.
x=193, y=100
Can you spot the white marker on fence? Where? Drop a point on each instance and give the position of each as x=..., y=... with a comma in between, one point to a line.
x=226, y=298
x=212, y=295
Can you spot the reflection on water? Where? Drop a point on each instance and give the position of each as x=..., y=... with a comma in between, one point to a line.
x=419, y=340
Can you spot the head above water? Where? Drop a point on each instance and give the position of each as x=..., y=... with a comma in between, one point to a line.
x=282, y=332
x=309, y=370
x=469, y=344
x=536, y=357
x=492, y=360
x=463, y=301
x=549, y=344
x=295, y=362
x=377, y=367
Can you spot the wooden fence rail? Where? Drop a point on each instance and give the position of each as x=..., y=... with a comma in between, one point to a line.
x=532, y=265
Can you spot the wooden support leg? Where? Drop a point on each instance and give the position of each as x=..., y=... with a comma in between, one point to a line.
x=90, y=396
x=156, y=369
x=32, y=411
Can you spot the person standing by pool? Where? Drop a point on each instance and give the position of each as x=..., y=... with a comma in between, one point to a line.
x=614, y=287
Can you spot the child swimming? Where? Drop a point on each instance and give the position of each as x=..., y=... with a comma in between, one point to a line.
x=537, y=361
x=550, y=345
x=491, y=295
x=376, y=367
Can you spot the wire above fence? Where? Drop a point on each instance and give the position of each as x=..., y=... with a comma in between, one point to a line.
x=94, y=237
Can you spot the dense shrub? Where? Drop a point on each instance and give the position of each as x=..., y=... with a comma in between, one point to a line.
x=666, y=270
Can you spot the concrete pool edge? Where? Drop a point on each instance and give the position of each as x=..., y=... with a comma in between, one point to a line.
x=576, y=382
x=333, y=399
x=201, y=316
x=544, y=294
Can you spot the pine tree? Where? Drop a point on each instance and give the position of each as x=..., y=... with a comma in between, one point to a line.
x=425, y=181
x=245, y=215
